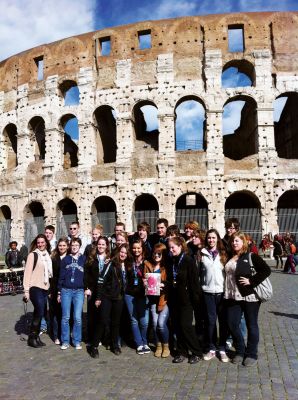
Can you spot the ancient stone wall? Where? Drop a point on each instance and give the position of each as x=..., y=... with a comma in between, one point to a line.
x=186, y=60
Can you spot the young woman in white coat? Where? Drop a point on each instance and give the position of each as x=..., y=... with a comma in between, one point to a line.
x=212, y=275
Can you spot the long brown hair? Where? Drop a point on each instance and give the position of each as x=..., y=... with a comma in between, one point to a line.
x=33, y=245
x=116, y=259
x=55, y=252
x=93, y=253
x=161, y=248
x=219, y=245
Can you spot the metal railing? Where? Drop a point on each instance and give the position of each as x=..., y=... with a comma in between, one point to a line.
x=189, y=145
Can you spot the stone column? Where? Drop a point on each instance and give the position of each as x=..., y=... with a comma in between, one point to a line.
x=166, y=144
x=213, y=69
x=267, y=151
x=87, y=133
x=214, y=151
x=125, y=144
x=269, y=210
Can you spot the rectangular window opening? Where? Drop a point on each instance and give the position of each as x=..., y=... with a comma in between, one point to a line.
x=105, y=46
x=236, y=38
x=144, y=39
x=39, y=65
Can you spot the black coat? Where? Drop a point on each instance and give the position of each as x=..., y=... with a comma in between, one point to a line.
x=243, y=269
x=110, y=283
x=187, y=287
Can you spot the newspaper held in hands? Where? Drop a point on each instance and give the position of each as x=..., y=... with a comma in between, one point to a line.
x=152, y=287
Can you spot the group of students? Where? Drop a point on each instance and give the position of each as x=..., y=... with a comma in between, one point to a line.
x=200, y=274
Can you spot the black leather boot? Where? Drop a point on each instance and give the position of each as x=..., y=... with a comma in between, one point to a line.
x=32, y=341
x=41, y=344
x=33, y=338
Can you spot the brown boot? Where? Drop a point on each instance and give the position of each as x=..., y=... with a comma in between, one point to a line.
x=165, y=350
x=158, y=350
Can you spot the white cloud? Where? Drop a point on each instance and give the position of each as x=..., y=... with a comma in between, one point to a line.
x=26, y=24
x=232, y=116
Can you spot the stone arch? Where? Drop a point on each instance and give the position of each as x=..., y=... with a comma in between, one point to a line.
x=191, y=206
x=10, y=146
x=5, y=227
x=104, y=212
x=245, y=206
x=67, y=213
x=190, y=124
x=105, y=123
x=286, y=125
x=34, y=215
x=145, y=208
x=70, y=127
x=69, y=90
x=238, y=73
x=240, y=139
x=287, y=212
x=36, y=128
x=145, y=123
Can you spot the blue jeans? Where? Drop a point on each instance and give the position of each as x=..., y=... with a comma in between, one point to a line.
x=251, y=312
x=139, y=317
x=215, y=310
x=160, y=319
x=38, y=298
x=75, y=297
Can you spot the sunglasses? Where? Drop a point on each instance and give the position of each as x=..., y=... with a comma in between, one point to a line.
x=73, y=229
x=157, y=254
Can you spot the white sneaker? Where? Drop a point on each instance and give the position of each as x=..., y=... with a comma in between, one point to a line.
x=223, y=357
x=211, y=354
x=146, y=349
x=78, y=347
x=64, y=346
x=140, y=350
x=57, y=341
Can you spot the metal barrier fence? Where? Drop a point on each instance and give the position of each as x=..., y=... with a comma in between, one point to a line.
x=149, y=216
x=106, y=219
x=192, y=214
x=288, y=220
x=4, y=235
x=250, y=221
x=33, y=227
x=189, y=145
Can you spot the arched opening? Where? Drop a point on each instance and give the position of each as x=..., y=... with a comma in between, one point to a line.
x=191, y=207
x=287, y=212
x=38, y=138
x=190, y=125
x=146, y=208
x=105, y=121
x=33, y=221
x=5, y=226
x=71, y=93
x=66, y=214
x=286, y=125
x=70, y=126
x=10, y=138
x=238, y=73
x=146, y=123
x=240, y=128
x=104, y=212
x=246, y=207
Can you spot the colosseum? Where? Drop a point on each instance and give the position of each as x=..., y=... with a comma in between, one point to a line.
x=110, y=85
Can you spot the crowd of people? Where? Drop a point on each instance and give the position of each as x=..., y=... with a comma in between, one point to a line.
x=145, y=288
x=280, y=247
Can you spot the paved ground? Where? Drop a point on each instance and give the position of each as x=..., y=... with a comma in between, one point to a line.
x=50, y=373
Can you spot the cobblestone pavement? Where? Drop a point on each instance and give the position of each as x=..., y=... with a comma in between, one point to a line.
x=50, y=373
